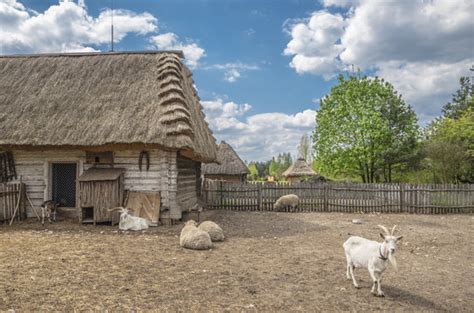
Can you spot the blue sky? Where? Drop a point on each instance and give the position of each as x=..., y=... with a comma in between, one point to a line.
x=261, y=66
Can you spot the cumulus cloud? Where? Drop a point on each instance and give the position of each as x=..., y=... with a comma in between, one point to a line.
x=314, y=44
x=257, y=136
x=422, y=47
x=170, y=41
x=233, y=71
x=65, y=27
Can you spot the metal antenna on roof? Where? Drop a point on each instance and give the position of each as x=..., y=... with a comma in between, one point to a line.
x=112, y=27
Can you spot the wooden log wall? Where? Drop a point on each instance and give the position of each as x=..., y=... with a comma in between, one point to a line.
x=189, y=182
x=33, y=167
x=342, y=197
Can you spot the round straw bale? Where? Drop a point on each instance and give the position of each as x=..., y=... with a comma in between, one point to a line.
x=214, y=230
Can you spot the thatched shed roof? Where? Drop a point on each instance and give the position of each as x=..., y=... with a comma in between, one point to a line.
x=229, y=162
x=100, y=99
x=101, y=174
x=299, y=169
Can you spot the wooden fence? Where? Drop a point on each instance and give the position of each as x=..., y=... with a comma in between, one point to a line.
x=12, y=202
x=342, y=197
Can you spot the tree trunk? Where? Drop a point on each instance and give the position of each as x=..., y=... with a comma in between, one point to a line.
x=390, y=172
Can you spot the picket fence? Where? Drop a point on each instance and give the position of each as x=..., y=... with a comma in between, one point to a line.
x=12, y=202
x=342, y=197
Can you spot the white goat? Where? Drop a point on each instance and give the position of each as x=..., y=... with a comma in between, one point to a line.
x=130, y=222
x=361, y=252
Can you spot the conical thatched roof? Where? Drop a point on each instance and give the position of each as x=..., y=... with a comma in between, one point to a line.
x=97, y=99
x=229, y=162
x=299, y=169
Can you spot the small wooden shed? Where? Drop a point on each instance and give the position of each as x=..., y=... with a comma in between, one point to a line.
x=230, y=166
x=298, y=171
x=100, y=189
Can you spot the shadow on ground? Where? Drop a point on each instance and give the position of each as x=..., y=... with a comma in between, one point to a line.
x=249, y=224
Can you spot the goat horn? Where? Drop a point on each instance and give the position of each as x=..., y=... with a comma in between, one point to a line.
x=115, y=209
x=393, y=229
x=384, y=229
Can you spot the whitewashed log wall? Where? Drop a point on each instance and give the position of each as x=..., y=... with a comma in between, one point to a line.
x=34, y=169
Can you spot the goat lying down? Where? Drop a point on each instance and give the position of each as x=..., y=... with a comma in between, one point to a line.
x=130, y=222
x=374, y=256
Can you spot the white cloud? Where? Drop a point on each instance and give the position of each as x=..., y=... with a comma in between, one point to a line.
x=314, y=44
x=65, y=27
x=258, y=136
x=170, y=41
x=422, y=47
x=233, y=71
x=425, y=84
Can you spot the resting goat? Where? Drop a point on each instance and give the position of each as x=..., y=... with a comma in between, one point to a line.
x=361, y=252
x=130, y=222
x=49, y=209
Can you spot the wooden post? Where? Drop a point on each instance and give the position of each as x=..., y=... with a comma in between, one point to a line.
x=325, y=197
x=221, y=194
x=402, y=197
x=259, y=197
x=4, y=197
x=206, y=195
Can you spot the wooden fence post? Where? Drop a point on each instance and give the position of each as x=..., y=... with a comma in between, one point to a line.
x=325, y=197
x=221, y=200
x=260, y=196
x=402, y=197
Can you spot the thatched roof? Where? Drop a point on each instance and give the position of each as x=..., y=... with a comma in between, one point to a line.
x=101, y=174
x=229, y=162
x=99, y=99
x=299, y=169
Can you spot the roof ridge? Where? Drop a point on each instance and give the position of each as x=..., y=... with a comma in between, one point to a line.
x=96, y=53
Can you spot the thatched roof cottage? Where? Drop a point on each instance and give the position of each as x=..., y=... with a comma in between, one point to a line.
x=132, y=117
x=298, y=171
x=230, y=166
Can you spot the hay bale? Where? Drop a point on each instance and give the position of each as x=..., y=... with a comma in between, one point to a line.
x=215, y=231
x=193, y=238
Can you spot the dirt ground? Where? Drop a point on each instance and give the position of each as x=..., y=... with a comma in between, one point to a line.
x=270, y=262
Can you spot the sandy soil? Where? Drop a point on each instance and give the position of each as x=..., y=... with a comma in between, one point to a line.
x=270, y=262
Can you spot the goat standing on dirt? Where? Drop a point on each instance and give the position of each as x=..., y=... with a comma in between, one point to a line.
x=361, y=252
x=49, y=209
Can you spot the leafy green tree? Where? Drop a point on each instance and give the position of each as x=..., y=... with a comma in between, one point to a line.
x=462, y=101
x=253, y=171
x=273, y=168
x=450, y=148
x=364, y=128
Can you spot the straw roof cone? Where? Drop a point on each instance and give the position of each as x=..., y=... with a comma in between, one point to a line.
x=97, y=99
x=299, y=169
x=229, y=162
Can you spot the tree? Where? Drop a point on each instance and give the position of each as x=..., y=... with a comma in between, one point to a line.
x=450, y=147
x=253, y=171
x=463, y=99
x=364, y=128
x=304, y=148
x=273, y=168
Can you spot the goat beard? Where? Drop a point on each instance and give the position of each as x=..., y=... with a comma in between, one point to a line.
x=393, y=261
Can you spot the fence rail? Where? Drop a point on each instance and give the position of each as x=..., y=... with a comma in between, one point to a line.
x=342, y=197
